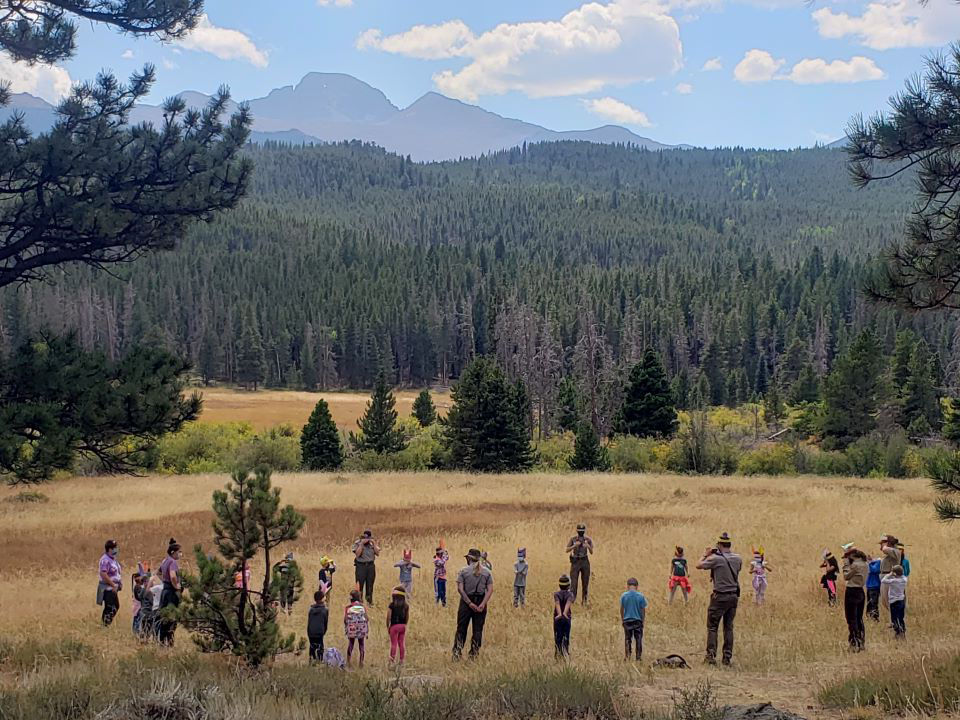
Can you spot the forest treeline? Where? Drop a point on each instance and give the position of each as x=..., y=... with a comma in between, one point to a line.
x=561, y=260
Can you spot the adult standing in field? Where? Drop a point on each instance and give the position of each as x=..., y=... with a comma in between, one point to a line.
x=365, y=551
x=475, y=587
x=724, y=566
x=110, y=582
x=890, y=557
x=855, y=572
x=580, y=548
x=172, y=588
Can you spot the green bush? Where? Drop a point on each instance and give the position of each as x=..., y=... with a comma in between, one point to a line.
x=630, y=454
x=202, y=447
x=895, y=456
x=768, y=459
x=277, y=448
x=554, y=453
x=867, y=456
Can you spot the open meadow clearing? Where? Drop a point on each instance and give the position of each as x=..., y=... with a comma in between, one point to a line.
x=267, y=408
x=786, y=651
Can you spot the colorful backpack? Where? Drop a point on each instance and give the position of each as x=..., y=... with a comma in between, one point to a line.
x=356, y=622
x=333, y=658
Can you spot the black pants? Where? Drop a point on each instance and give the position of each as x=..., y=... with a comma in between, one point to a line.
x=561, y=635
x=633, y=633
x=440, y=590
x=466, y=616
x=111, y=604
x=873, y=603
x=854, y=602
x=316, y=648
x=723, y=606
x=898, y=610
x=166, y=628
x=366, y=576
x=580, y=570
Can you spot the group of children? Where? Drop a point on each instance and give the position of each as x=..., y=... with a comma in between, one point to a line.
x=147, y=593
x=680, y=575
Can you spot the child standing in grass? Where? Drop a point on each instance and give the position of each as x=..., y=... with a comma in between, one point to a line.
x=563, y=601
x=759, y=568
x=520, y=569
x=829, y=579
x=440, y=575
x=406, y=572
x=398, y=616
x=679, y=578
x=896, y=586
x=317, y=620
x=355, y=625
x=633, y=610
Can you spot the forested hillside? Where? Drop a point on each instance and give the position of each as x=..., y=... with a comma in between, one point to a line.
x=562, y=259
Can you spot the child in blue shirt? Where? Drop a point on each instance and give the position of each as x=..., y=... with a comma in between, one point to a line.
x=873, y=589
x=633, y=610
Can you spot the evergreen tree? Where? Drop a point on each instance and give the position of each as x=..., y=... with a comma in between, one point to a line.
x=647, y=409
x=320, y=440
x=308, y=361
x=522, y=407
x=701, y=392
x=944, y=472
x=919, y=397
x=731, y=391
x=251, y=361
x=483, y=430
x=715, y=371
x=588, y=454
x=680, y=387
x=211, y=357
x=379, y=422
x=568, y=405
x=951, y=425
x=773, y=408
x=58, y=402
x=248, y=521
x=853, y=391
x=806, y=389
x=903, y=349
x=762, y=382
x=424, y=410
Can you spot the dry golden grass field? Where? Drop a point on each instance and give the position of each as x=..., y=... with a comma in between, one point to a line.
x=785, y=651
x=266, y=408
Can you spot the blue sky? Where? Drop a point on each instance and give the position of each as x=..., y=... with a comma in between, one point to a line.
x=770, y=73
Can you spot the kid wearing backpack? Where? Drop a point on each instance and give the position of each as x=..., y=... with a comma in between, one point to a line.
x=406, y=571
x=317, y=620
x=829, y=579
x=398, y=616
x=520, y=570
x=679, y=578
x=759, y=567
x=440, y=575
x=355, y=625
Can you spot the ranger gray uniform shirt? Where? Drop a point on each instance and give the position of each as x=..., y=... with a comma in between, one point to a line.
x=724, y=581
x=579, y=551
x=368, y=554
x=474, y=583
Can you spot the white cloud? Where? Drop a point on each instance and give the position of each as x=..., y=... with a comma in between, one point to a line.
x=893, y=24
x=757, y=66
x=811, y=71
x=44, y=81
x=594, y=46
x=684, y=88
x=427, y=42
x=618, y=111
x=712, y=64
x=168, y=64
x=127, y=55
x=338, y=3
x=224, y=43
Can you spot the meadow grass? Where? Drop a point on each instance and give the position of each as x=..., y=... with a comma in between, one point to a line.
x=267, y=408
x=787, y=651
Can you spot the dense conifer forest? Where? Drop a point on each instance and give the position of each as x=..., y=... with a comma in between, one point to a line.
x=740, y=268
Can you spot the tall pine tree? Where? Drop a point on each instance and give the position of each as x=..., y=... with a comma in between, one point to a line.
x=424, y=410
x=320, y=440
x=251, y=361
x=483, y=429
x=920, y=401
x=379, y=422
x=853, y=391
x=568, y=405
x=588, y=454
x=647, y=409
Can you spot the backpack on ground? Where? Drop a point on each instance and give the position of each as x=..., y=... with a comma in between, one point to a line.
x=674, y=662
x=333, y=658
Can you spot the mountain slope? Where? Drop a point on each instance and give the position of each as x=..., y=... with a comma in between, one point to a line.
x=331, y=107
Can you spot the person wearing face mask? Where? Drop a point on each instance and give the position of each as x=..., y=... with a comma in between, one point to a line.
x=580, y=548
x=108, y=589
x=170, y=596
